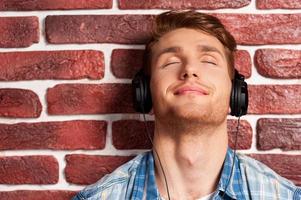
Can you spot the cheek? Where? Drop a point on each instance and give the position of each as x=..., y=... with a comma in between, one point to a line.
x=155, y=87
x=161, y=80
x=224, y=86
x=159, y=86
x=228, y=89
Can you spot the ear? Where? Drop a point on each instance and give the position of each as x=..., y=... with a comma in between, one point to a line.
x=229, y=110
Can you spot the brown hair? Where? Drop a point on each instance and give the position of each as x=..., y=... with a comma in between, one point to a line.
x=171, y=20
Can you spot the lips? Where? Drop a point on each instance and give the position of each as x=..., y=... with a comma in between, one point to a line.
x=190, y=89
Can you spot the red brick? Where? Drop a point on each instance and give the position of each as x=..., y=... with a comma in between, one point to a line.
x=28, y=170
x=279, y=133
x=244, y=135
x=77, y=134
x=54, y=4
x=257, y=29
x=181, y=4
x=278, y=63
x=131, y=134
x=288, y=166
x=274, y=99
x=87, y=169
x=125, y=63
x=275, y=4
x=35, y=65
x=243, y=62
x=90, y=99
x=18, y=31
x=124, y=29
x=37, y=194
x=19, y=103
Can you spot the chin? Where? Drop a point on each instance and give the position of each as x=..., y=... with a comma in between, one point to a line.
x=201, y=115
x=193, y=116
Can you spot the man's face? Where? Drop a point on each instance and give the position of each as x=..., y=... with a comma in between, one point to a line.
x=189, y=77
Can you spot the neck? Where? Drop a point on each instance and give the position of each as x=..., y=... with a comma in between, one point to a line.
x=192, y=158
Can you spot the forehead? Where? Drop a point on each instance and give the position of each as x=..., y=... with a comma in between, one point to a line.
x=187, y=38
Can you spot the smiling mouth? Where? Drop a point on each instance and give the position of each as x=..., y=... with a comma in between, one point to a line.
x=191, y=90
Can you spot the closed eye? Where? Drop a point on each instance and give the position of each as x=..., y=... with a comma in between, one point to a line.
x=209, y=62
x=171, y=63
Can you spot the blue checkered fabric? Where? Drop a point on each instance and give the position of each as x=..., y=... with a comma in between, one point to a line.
x=234, y=186
x=250, y=180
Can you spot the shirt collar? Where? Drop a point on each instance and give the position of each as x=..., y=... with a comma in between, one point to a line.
x=233, y=190
x=231, y=183
x=152, y=189
x=145, y=179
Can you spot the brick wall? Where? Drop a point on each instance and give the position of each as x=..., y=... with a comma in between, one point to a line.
x=66, y=117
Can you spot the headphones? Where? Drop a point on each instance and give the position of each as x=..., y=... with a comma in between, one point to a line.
x=143, y=102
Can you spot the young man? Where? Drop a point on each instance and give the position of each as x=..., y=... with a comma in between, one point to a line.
x=190, y=64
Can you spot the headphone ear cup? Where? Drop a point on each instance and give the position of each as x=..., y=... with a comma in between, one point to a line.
x=239, y=96
x=244, y=98
x=142, y=100
x=233, y=101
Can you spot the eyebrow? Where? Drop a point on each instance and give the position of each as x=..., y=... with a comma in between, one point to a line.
x=208, y=48
x=202, y=48
x=174, y=49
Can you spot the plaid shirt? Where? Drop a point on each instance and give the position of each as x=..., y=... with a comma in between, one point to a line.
x=251, y=179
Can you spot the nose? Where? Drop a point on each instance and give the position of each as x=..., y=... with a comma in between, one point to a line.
x=189, y=71
x=189, y=75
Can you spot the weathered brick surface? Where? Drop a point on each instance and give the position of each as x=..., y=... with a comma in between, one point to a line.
x=18, y=31
x=243, y=62
x=274, y=99
x=181, y=4
x=125, y=63
x=78, y=134
x=244, y=135
x=131, y=134
x=19, y=103
x=90, y=99
x=288, y=166
x=87, y=169
x=54, y=4
x=28, y=170
x=35, y=65
x=109, y=97
x=278, y=63
x=256, y=29
x=124, y=29
x=248, y=29
x=37, y=195
x=274, y=4
x=279, y=133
